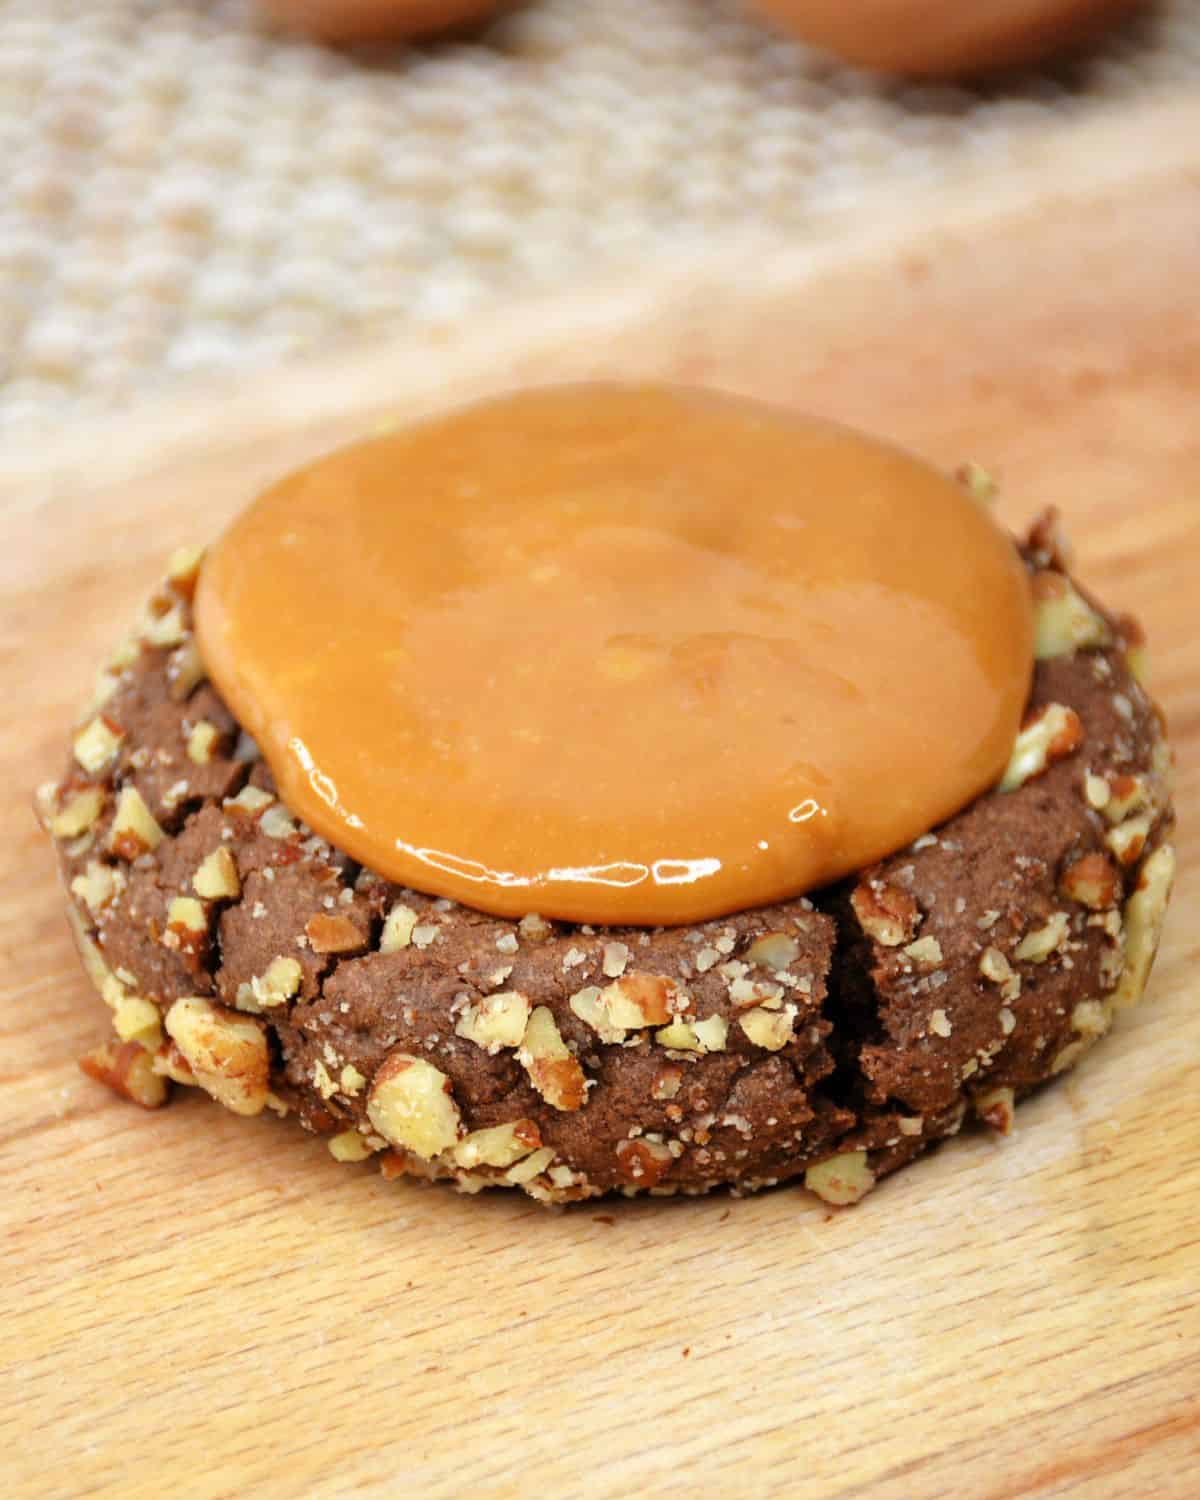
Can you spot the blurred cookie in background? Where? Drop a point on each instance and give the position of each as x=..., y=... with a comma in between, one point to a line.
x=378, y=20
x=945, y=38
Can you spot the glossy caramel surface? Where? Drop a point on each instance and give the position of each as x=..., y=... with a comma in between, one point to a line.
x=620, y=654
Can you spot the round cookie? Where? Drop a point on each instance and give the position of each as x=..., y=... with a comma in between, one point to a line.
x=834, y=1036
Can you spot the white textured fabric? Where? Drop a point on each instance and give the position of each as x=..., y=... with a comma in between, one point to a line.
x=184, y=190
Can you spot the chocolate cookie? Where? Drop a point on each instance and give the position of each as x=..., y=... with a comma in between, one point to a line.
x=835, y=1036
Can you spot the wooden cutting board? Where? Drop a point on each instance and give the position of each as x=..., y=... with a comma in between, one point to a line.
x=200, y=1304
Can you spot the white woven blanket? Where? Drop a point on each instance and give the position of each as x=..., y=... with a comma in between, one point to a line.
x=182, y=190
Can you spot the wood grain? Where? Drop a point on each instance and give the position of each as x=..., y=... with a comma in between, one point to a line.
x=205, y=1305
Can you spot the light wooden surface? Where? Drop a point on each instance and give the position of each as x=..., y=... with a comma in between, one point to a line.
x=203, y=1305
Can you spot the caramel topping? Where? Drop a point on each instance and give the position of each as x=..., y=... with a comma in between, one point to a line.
x=620, y=654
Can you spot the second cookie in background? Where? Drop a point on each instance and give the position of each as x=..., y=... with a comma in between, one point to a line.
x=378, y=20
x=945, y=38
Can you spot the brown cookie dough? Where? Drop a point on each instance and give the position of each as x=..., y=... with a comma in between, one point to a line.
x=835, y=1036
